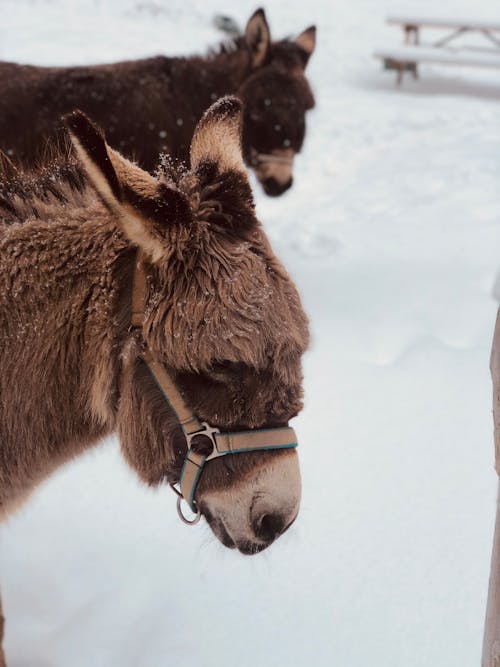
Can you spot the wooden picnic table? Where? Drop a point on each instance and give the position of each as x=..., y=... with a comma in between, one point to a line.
x=412, y=26
x=408, y=56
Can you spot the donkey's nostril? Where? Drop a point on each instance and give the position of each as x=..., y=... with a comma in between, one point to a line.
x=268, y=527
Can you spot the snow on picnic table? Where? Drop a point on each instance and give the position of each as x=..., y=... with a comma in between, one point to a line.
x=450, y=21
x=392, y=234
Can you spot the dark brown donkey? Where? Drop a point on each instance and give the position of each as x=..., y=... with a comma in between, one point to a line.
x=151, y=106
x=221, y=314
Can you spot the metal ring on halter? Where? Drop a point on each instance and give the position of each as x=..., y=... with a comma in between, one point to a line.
x=180, y=498
x=181, y=515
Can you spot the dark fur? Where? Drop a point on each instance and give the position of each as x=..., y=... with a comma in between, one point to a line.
x=152, y=105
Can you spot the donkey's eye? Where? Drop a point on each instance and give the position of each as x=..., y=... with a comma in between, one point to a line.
x=227, y=367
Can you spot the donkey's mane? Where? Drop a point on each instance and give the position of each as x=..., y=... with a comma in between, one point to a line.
x=25, y=195
x=61, y=181
x=282, y=48
x=229, y=45
x=57, y=181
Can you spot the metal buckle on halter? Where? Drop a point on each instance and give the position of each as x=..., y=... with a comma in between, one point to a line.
x=208, y=432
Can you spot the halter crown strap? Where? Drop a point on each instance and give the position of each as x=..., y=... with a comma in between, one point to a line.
x=189, y=422
x=222, y=444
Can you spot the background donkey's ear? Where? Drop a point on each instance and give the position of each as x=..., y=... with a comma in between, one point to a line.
x=258, y=38
x=125, y=188
x=217, y=137
x=307, y=42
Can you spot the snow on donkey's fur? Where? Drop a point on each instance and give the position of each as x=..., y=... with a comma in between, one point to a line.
x=221, y=314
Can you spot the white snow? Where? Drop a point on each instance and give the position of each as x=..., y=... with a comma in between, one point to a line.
x=392, y=234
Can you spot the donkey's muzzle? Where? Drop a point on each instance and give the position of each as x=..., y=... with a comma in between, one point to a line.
x=274, y=188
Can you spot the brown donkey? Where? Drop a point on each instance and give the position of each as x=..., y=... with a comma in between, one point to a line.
x=220, y=316
x=152, y=105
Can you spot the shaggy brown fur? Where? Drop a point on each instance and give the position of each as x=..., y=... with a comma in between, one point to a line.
x=151, y=106
x=222, y=313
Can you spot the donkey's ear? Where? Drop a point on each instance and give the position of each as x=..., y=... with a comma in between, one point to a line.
x=222, y=192
x=124, y=187
x=217, y=137
x=91, y=149
x=307, y=42
x=257, y=38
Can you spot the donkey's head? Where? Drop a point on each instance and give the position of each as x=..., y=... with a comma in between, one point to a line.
x=221, y=316
x=276, y=96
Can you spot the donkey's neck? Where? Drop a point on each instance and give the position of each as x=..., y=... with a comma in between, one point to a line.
x=63, y=286
x=196, y=83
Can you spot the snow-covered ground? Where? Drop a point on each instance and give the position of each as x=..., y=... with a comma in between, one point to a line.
x=392, y=233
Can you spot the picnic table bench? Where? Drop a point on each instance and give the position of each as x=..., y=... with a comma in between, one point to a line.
x=414, y=52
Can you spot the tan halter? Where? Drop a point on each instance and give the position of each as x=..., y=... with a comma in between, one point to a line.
x=257, y=158
x=204, y=442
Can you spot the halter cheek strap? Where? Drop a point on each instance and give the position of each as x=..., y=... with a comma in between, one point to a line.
x=204, y=442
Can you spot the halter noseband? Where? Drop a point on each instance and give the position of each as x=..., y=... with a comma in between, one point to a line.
x=204, y=442
x=257, y=158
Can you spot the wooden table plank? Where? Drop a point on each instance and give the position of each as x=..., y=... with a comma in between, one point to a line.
x=441, y=22
x=420, y=54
